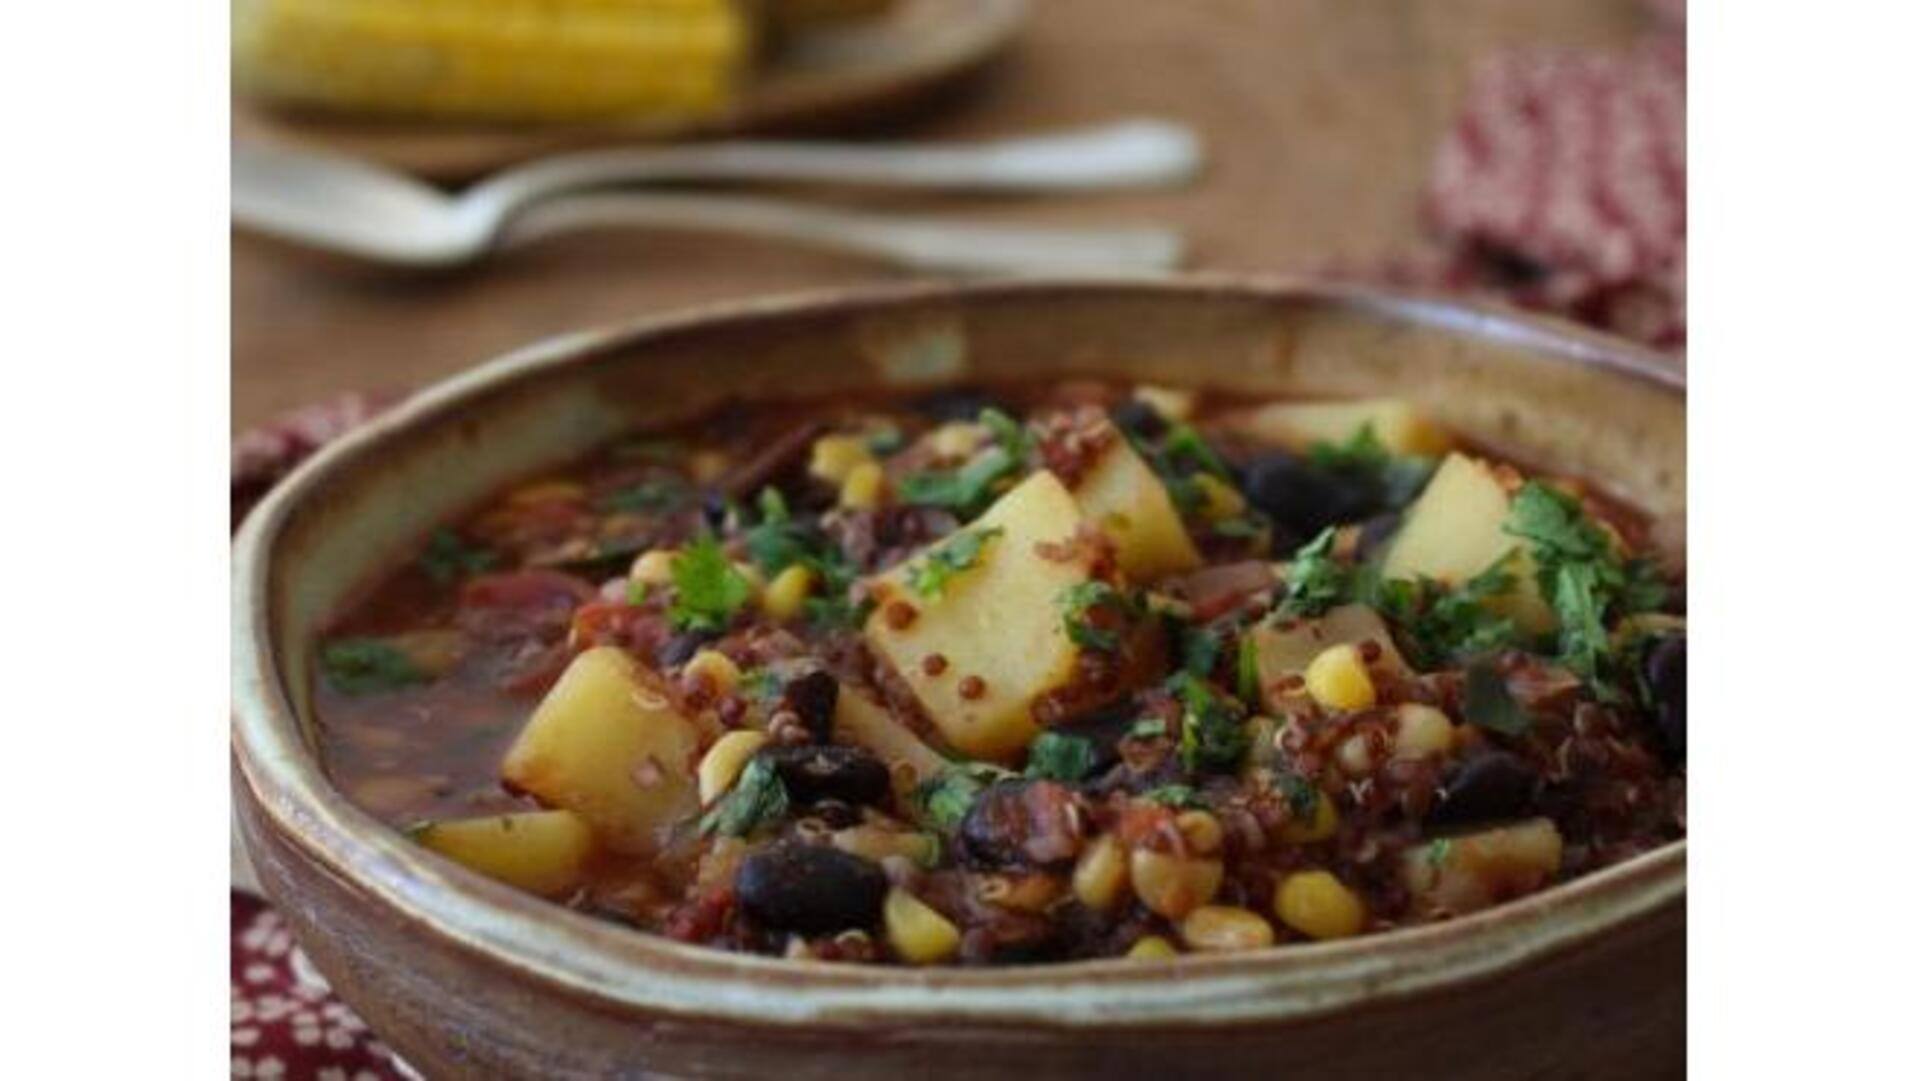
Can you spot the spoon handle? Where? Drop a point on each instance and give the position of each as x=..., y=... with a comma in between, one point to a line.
x=1126, y=154
x=917, y=243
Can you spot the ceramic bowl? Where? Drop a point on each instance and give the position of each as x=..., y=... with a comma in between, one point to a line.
x=467, y=978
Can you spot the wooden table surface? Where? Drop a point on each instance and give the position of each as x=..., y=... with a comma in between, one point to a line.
x=1320, y=117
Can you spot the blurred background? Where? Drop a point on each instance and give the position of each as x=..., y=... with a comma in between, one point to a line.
x=1325, y=125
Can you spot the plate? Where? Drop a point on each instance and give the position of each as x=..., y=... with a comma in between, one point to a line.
x=819, y=80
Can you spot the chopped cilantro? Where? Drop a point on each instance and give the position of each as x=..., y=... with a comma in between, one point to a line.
x=1303, y=796
x=1057, y=757
x=1489, y=705
x=1246, y=671
x=944, y=800
x=1213, y=733
x=1179, y=796
x=1437, y=851
x=1584, y=578
x=1437, y=624
x=1316, y=580
x=448, y=557
x=1185, y=447
x=1080, y=608
x=636, y=592
x=1245, y=527
x=708, y=591
x=1199, y=650
x=757, y=799
x=837, y=613
x=367, y=665
x=960, y=552
x=968, y=489
x=1147, y=728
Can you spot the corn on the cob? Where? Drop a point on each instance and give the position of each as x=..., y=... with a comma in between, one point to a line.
x=494, y=60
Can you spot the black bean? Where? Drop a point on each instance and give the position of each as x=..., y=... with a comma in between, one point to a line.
x=1666, y=672
x=1139, y=418
x=714, y=508
x=1302, y=498
x=1486, y=787
x=812, y=772
x=810, y=889
x=812, y=697
x=957, y=403
x=1022, y=823
x=681, y=647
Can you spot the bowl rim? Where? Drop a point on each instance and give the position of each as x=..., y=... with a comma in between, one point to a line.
x=629, y=970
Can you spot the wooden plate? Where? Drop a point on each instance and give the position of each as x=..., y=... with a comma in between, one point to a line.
x=818, y=80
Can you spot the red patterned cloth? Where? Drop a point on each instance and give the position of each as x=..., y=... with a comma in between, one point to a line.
x=265, y=454
x=286, y=1025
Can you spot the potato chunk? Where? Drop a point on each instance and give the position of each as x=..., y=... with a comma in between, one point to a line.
x=995, y=626
x=543, y=852
x=862, y=722
x=1456, y=529
x=1286, y=648
x=608, y=744
x=1465, y=874
x=1399, y=425
x=1120, y=494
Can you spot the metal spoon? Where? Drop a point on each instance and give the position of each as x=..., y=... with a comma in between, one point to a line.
x=359, y=209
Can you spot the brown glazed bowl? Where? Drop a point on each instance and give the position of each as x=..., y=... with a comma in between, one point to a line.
x=467, y=978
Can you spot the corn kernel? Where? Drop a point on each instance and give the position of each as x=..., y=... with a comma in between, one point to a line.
x=1422, y=732
x=862, y=488
x=653, y=567
x=1224, y=928
x=722, y=763
x=1338, y=679
x=1218, y=498
x=1172, y=886
x=1151, y=948
x=957, y=439
x=1320, y=906
x=1355, y=755
x=1174, y=405
x=916, y=932
x=834, y=456
x=1322, y=824
x=715, y=669
x=1203, y=832
x=1100, y=877
x=786, y=595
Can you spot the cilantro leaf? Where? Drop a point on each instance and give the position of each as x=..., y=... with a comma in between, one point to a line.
x=358, y=666
x=708, y=591
x=1089, y=609
x=757, y=799
x=1488, y=704
x=1200, y=649
x=1213, y=735
x=448, y=557
x=945, y=799
x=959, y=552
x=971, y=487
x=1058, y=757
x=1246, y=671
x=1178, y=796
x=1316, y=580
